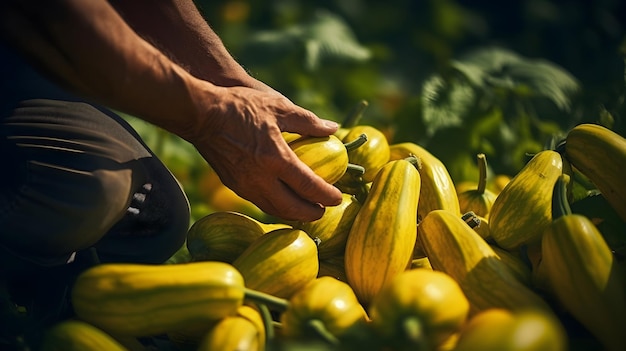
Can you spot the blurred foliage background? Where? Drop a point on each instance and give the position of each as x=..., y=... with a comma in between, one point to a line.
x=459, y=77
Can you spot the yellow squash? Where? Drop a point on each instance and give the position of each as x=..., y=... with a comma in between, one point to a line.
x=381, y=240
x=371, y=155
x=326, y=156
x=456, y=249
x=145, y=300
x=222, y=236
x=279, y=262
x=600, y=154
x=582, y=272
x=331, y=230
x=479, y=199
x=518, y=267
x=241, y=332
x=76, y=335
x=427, y=301
x=526, y=330
x=327, y=301
x=522, y=209
x=437, y=190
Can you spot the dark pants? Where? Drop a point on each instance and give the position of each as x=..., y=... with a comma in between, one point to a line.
x=76, y=177
x=77, y=187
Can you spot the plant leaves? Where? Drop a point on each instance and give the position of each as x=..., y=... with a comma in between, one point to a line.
x=325, y=37
x=498, y=68
x=445, y=103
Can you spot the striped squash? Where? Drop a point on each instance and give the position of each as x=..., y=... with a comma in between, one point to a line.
x=222, y=236
x=582, y=273
x=437, y=188
x=523, y=208
x=331, y=230
x=455, y=248
x=373, y=154
x=326, y=156
x=381, y=240
x=327, y=300
x=279, y=262
x=144, y=300
x=236, y=333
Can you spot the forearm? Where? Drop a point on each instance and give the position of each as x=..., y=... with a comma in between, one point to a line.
x=177, y=28
x=88, y=48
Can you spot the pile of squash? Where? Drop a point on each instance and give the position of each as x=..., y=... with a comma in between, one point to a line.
x=408, y=261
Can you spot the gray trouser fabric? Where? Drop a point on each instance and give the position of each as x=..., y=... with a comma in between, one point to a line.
x=74, y=176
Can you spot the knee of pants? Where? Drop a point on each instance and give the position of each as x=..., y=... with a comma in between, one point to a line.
x=152, y=230
x=57, y=211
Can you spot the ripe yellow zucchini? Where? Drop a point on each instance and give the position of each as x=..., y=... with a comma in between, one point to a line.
x=600, y=154
x=331, y=230
x=326, y=156
x=522, y=209
x=222, y=236
x=144, y=300
x=582, y=272
x=431, y=301
x=381, y=241
x=326, y=300
x=371, y=155
x=279, y=262
x=437, y=191
x=527, y=330
x=241, y=332
x=76, y=335
x=480, y=199
x=455, y=248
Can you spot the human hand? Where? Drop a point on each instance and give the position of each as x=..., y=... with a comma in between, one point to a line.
x=240, y=137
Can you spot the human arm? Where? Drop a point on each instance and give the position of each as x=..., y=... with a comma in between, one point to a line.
x=178, y=29
x=87, y=47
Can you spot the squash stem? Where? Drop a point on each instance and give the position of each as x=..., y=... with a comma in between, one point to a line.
x=482, y=173
x=360, y=140
x=262, y=298
x=415, y=161
x=354, y=116
x=268, y=322
x=318, y=327
x=560, y=203
x=355, y=170
x=413, y=330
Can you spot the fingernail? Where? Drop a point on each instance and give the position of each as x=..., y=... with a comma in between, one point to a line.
x=331, y=124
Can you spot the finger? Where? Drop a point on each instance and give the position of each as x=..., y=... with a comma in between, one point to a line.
x=308, y=185
x=283, y=203
x=305, y=122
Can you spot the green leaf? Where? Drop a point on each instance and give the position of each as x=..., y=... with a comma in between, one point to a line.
x=445, y=103
x=498, y=68
x=325, y=37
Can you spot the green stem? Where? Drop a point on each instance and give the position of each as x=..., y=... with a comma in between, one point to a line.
x=560, y=204
x=268, y=322
x=354, y=116
x=351, y=145
x=262, y=298
x=413, y=330
x=355, y=170
x=318, y=327
x=482, y=173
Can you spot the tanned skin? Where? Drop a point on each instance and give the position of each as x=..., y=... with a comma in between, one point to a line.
x=160, y=61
